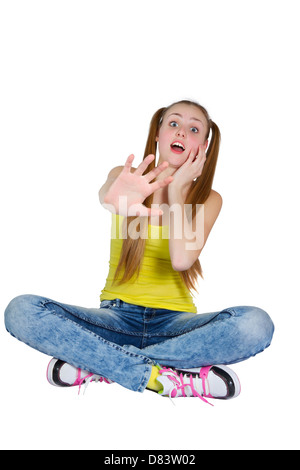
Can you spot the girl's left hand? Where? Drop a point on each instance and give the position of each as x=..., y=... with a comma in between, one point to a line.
x=192, y=168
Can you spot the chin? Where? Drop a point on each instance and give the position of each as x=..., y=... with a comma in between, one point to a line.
x=175, y=161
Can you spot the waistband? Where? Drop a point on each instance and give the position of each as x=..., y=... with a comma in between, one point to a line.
x=121, y=304
x=118, y=303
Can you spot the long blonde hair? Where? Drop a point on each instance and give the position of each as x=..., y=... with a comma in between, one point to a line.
x=133, y=249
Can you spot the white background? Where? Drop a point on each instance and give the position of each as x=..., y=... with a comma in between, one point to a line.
x=80, y=81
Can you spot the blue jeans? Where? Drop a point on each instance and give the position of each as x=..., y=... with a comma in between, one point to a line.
x=121, y=341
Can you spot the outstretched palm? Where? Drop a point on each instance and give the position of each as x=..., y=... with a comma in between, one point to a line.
x=130, y=189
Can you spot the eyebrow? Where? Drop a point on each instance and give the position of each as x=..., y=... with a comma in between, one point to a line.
x=192, y=119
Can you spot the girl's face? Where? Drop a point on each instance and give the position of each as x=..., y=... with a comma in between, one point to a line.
x=183, y=129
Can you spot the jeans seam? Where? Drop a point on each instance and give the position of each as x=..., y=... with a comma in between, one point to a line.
x=100, y=324
x=115, y=346
x=145, y=380
x=181, y=332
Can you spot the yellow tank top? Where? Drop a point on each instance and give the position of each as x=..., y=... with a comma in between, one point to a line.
x=158, y=285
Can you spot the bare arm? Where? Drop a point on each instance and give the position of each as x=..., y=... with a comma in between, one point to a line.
x=186, y=248
x=184, y=251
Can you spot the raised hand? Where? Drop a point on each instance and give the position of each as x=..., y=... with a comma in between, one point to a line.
x=192, y=168
x=130, y=189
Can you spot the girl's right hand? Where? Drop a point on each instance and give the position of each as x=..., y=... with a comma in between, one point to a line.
x=130, y=189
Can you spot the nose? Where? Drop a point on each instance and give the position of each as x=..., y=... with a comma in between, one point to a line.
x=180, y=132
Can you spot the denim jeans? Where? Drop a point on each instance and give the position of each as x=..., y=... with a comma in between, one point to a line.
x=121, y=341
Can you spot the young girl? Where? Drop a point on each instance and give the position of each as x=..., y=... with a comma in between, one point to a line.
x=147, y=333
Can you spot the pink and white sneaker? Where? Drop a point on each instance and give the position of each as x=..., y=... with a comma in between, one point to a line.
x=218, y=382
x=62, y=374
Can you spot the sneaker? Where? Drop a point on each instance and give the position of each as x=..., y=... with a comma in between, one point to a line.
x=210, y=382
x=62, y=374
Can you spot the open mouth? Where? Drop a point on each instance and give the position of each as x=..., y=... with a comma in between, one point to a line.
x=177, y=147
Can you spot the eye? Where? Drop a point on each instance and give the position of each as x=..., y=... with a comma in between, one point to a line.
x=173, y=124
x=194, y=129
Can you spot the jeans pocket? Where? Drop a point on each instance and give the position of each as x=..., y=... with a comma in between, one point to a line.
x=107, y=304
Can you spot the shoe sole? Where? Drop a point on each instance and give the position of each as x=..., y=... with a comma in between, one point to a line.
x=235, y=380
x=50, y=370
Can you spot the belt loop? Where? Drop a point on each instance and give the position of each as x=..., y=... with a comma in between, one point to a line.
x=118, y=302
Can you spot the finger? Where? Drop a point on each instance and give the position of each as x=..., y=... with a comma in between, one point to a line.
x=202, y=158
x=201, y=151
x=199, y=164
x=193, y=155
x=201, y=155
x=156, y=171
x=160, y=184
x=144, y=165
x=190, y=158
x=128, y=164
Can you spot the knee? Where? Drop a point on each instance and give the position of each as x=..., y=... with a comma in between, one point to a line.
x=17, y=313
x=257, y=325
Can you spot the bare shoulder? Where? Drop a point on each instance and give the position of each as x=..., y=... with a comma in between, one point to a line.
x=213, y=206
x=215, y=198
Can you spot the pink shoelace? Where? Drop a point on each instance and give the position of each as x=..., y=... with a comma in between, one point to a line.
x=88, y=379
x=188, y=385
